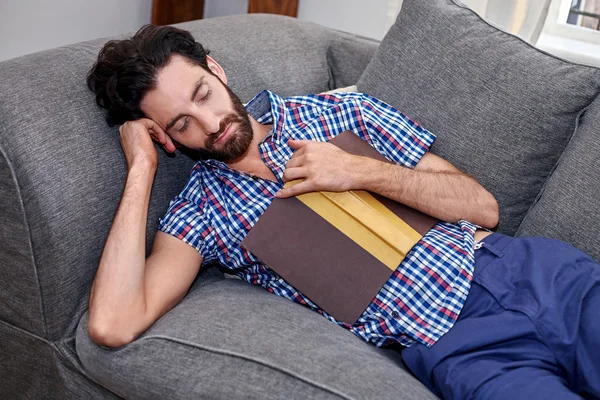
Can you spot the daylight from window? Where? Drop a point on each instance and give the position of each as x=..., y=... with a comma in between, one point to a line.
x=585, y=13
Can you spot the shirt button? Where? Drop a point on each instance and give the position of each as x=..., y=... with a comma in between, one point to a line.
x=395, y=314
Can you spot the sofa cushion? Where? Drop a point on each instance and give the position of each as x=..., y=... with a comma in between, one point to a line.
x=262, y=51
x=502, y=110
x=228, y=339
x=63, y=169
x=348, y=56
x=569, y=208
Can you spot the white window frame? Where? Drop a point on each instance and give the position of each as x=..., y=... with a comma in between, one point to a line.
x=556, y=24
x=572, y=42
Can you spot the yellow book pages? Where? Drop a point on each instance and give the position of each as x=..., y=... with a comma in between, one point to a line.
x=366, y=221
x=398, y=222
x=377, y=218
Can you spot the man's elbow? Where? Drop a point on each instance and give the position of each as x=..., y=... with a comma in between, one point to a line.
x=104, y=334
x=491, y=213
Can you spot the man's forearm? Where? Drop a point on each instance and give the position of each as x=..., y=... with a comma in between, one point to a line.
x=118, y=288
x=445, y=195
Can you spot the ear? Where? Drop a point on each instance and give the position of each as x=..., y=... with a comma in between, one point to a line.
x=216, y=69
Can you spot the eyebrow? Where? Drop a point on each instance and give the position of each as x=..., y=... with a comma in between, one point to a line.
x=194, y=93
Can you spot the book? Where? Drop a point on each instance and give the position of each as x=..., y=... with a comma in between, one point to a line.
x=337, y=248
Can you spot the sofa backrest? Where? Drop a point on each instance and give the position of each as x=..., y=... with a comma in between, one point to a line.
x=502, y=110
x=568, y=207
x=62, y=169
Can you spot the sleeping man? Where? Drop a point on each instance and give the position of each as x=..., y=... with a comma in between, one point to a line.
x=479, y=314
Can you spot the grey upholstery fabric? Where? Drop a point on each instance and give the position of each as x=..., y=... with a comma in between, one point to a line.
x=229, y=340
x=32, y=368
x=267, y=52
x=20, y=305
x=69, y=171
x=348, y=56
x=502, y=110
x=25, y=364
x=61, y=176
x=569, y=206
x=67, y=165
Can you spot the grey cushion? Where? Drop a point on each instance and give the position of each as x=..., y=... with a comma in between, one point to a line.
x=502, y=110
x=282, y=54
x=25, y=365
x=61, y=176
x=63, y=170
x=348, y=56
x=230, y=340
x=569, y=206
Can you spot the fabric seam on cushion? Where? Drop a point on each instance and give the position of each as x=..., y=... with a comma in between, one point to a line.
x=349, y=36
x=577, y=123
x=24, y=331
x=557, y=163
x=231, y=354
x=81, y=370
x=29, y=241
x=328, y=57
x=458, y=4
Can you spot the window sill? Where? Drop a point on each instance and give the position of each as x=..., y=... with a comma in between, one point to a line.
x=574, y=50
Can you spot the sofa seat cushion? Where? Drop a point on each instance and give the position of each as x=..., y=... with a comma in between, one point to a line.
x=502, y=110
x=568, y=208
x=228, y=339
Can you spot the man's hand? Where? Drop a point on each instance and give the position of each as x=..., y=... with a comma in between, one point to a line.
x=136, y=140
x=323, y=166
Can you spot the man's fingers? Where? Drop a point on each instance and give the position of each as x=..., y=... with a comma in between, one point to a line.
x=295, y=161
x=160, y=136
x=298, y=144
x=154, y=128
x=291, y=174
x=169, y=146
x=298, y=189
x=298, y=153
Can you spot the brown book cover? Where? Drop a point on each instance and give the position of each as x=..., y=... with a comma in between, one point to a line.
x=318, y=258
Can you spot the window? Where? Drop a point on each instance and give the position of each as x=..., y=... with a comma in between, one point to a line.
x=571, y=31
x=574, y=19
x=585, y=13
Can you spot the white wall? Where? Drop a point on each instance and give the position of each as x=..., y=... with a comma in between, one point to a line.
x=219, y=8
x=367, y=18
x=370, y=19
x=27, y=26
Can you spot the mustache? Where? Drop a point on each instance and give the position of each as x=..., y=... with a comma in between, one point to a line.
x=231, y=118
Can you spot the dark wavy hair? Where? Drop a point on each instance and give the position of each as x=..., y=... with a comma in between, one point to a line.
x=126, y=69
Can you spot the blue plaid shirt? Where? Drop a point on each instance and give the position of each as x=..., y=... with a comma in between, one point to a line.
x=218, y=206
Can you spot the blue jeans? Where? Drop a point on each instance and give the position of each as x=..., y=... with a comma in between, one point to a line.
x=529, y=329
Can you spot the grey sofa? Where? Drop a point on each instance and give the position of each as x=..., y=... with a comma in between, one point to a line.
x=522, y=122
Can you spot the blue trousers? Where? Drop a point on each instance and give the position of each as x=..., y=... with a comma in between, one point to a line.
x=529, y=329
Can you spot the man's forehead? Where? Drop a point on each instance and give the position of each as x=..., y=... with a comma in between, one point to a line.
x=179, y=69
x=175, y=85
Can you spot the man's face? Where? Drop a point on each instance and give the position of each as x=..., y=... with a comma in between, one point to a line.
x=199, y=111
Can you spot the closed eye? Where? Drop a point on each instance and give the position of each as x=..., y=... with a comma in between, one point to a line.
x=186, y=122
x=208, y=92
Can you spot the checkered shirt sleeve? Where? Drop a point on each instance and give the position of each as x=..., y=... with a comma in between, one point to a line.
x=186, y=218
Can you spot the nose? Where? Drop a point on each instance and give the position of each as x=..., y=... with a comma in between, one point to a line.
x=209, y=122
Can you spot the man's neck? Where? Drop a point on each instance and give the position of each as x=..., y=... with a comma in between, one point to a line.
x=251, y=162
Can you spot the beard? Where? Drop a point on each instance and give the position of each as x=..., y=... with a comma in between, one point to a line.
x=238, y=141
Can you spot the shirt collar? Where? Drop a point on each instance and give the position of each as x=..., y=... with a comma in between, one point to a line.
x=268, y=108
